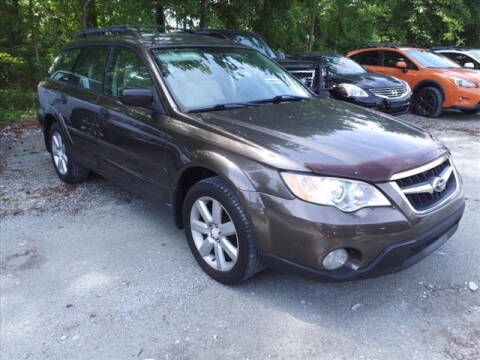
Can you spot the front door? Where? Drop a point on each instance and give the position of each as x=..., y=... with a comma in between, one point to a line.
x=132, y=143
x=390, y=58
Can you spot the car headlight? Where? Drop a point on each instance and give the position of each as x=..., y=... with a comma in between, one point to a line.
x=353, y=90
x=346, y=195
x=464, y=83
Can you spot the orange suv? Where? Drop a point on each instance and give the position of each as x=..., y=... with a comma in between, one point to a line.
x=437, y=82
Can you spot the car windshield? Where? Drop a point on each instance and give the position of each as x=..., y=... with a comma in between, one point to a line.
x=254, y=42
x=429, y=59
x=200, y=78
x=340, y=65
x=475, y=54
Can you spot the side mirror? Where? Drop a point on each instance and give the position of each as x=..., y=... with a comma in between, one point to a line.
x=280, y=55
x=137, y=97
x=402, y=65
x=469, y=65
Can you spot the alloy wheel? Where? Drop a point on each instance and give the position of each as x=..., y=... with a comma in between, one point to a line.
x=59, y=153
x=427, y=103
x=214, y=234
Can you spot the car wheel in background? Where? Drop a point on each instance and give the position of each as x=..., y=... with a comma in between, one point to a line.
x=428, y=102
x=219, y=232
x=67, y=169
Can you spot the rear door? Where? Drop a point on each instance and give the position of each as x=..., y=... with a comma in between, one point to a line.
x=132, y=142
x=371, y=60
x=80, y=103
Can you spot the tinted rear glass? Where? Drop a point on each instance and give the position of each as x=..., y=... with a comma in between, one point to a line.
x=62, y=65
x=88, y=73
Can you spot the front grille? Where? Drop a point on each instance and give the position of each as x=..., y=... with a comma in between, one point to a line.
x=391, y=92
x=305, y=76
x=423, y=190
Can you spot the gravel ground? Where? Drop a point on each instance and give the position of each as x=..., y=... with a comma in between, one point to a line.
x=93, y=272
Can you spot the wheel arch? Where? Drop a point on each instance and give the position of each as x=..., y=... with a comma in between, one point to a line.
x=429, y=83
x=207, y=164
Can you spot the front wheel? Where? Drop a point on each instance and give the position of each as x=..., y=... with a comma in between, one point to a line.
x=428, y=102
x=219, y=232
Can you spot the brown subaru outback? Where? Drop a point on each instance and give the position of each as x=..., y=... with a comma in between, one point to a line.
x=258, y=170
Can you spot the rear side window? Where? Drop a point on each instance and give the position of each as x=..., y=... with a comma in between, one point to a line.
x=392, y=57
x=88, y=73
x=62, y=65
x=371, y=58
x=126, y=70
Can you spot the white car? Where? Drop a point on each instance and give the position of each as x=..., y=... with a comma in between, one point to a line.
x=464, y=56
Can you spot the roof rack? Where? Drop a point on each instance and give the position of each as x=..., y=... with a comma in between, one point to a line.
x=132, y=30
x=451, y=47
x=391, y=45
x=387, y=44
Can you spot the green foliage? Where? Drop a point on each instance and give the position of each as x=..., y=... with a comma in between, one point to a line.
x=32, y=31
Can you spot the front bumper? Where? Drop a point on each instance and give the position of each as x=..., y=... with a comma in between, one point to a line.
x=394, y=257
x=467, y=108
x=386, y=105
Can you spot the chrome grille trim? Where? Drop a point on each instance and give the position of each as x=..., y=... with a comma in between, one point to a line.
x=396, y=92
x=426, y=187
x=305, y=76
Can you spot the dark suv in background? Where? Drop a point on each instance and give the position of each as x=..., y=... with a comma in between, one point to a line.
x=258, y=170
x=302, y=70
x=349, y=81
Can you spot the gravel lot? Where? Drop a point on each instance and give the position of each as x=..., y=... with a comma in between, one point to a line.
x=94, y=272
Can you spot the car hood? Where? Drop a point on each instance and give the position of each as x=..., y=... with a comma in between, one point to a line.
x=467, y=74
x=327, y=137
x=367, y=80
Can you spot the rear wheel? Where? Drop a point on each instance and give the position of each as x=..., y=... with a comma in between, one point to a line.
x=428, y=102
x=68, y=170
x=219, y=232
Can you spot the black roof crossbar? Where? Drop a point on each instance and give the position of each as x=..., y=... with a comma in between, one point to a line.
x=132, y=30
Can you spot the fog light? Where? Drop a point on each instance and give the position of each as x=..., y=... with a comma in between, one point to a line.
x=335, y=259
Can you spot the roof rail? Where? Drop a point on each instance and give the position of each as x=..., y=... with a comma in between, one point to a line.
x=387, y=44
x=451, y=47
x=132, y=30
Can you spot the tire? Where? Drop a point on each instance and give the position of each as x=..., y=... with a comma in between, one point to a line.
x=206, y=244
x=68, y=170
x=470, y=111
x=428, y=102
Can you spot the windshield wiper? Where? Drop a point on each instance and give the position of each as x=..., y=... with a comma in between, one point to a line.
x=227, y=106
x=281, y=98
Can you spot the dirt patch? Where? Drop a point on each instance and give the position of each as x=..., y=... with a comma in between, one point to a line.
x=473, y=132
x=21, y=261
x=20, y=126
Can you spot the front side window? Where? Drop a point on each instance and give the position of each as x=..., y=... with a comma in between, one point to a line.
x=88, y=73
x=429, y=59
x=126, y=70
x=371, y=58
x=460, y=59
x=392, y=57
x=205, y=77
x=62, y=65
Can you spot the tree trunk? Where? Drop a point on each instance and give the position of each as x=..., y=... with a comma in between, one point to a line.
x=203, y=14
x=160, y=15
x=312, y=31
x=34, y=32
x=83, y=21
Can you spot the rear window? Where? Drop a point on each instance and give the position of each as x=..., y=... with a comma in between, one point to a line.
x=88, y=73
x=62, y=65
x=371, y=58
